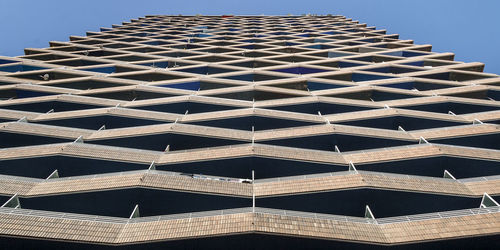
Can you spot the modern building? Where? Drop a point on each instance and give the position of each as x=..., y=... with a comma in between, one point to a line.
x=239, y=132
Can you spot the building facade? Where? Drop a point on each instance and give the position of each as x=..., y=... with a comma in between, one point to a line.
x=249, y=132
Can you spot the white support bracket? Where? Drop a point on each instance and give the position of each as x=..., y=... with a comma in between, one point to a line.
x=477, y=121
x=79, y=139
x=422, y=140
x=13, y=202
x=167, y=149
x=448, y=175
x=324, y=118
x=487, y=201
x=352, y=168
x=152, y=166
x=103, y=127
x=23, y=119
x=53, y=175
x=337, y=149
x=368, y=213
x=135, y=212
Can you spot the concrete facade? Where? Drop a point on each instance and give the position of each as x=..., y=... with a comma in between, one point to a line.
x=209, y=128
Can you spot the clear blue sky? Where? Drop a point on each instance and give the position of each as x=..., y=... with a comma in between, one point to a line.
x=469, y=28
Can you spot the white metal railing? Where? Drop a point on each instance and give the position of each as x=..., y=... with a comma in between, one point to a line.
x=298, y=177
x=231, y=179
x=143, y=171
x=61, y=215
x=482, y=178
x=309, y=176
x=19, y=178
x=438, y=215
x=258, y=210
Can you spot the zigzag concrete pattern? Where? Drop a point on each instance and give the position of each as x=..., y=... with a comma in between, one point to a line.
x=181, y=127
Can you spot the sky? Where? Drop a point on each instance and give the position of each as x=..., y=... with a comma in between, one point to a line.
x=468, y=28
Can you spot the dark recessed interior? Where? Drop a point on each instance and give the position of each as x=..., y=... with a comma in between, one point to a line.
x=3, y=199
x=405, y=53
x=85, y=85
x=242, y=167
x=120, y=203
x=9, y=140
x=253, y=54
x=165, y=64
x=130, y=95
x=176, y=54
x=159, y=142
x=19, y=68
x=324, y=108
x=6, y=120
x=356, y=77
x=99, y=53
x=96, y=122
x=76, y=63
x=455, y=107
x=110, y=69
x=151, y=77
x=42, y=167
x=57, y=106
x=258, y=122
x=253, y=64
x=454, y=76
x=309, y=85
x=254, y=77
x=45, y=76
x=132, y=58
x=300, y=70
x=428, y=63
x=197, y=85
x=406, y=122
x=206, y=70
x=182, y=107
x=435, y=166
x=7, y=94
x=293, y=59
x=489, y=141
x=482, y=94
x=340, y=64
x=327, y=142
x=212, y=59
x=373, y=95
x=383, y=203
x=393, y=70
x=46, y=57
x=421, y=86
x=255, y=95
